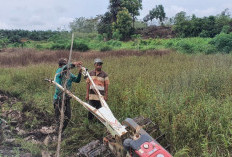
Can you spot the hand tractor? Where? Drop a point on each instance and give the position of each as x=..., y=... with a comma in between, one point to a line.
x=128, y=139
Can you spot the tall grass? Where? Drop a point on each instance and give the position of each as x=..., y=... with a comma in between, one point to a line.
x=188, y=96
x=25, y=57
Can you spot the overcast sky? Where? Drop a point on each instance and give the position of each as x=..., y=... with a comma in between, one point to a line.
x=53, y=14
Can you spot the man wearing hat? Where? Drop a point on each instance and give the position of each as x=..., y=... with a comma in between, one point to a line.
x=61, y=76
x=101, y=80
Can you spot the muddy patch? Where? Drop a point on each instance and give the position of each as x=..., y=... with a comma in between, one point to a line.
x=16, y=132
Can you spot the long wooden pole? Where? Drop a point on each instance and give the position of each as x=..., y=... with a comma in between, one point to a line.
x=63, y=99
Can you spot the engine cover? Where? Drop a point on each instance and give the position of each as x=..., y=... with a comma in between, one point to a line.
x=152, y=149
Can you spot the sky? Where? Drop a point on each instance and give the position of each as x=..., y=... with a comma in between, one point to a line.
x=54, y=14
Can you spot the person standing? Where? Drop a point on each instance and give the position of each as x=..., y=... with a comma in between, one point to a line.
x=101, y=80
x=61, y=77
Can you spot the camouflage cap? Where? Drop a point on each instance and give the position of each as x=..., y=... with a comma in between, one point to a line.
x=62, y=61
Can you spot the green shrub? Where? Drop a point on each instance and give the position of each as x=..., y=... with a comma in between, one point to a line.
x=114, y=43
x=169, y=44
x=58, y=46
x=144, y=42
x=204, y=34
x=188, y=45
x=210, y=49
x=185, y=47
x=225, y=29
x=116, y=35
x=86, y=35
x=223, y=42
x=106, y=48
x=79, y=46
x=38, y=46
x=99, y=37
x=136, y=36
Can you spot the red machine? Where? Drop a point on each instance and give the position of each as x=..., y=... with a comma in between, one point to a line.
x=142, y=144
x=152, y=149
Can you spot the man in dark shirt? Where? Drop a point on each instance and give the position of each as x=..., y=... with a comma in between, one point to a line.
x=61, y=76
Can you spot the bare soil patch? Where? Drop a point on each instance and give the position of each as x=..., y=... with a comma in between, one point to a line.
x=13, y=127
x=156, y=32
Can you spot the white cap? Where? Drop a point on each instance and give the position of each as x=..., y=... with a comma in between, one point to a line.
x=97, y=60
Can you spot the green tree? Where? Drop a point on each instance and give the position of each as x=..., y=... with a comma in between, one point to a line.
x=105, y=25
x=196, y=26
x=114, y=7
x=186, y=26
x=180, y=17
x=208, y=27
x=181, y=24
x=133, y=6
x=14, y=36
x=15, y=39
x=4, y=42
x=225, y=29
x=84, y=25
x=147, y=18
x=123, y=24
x=222, y=20
x=157, y=13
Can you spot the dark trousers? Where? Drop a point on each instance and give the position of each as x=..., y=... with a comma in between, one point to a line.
x=67, y=111
x=96, y=104
x=1, y=133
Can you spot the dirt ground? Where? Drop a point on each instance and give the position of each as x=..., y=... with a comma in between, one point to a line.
x=13, y=131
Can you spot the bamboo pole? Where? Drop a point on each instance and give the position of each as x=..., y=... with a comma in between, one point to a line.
x=63, y=99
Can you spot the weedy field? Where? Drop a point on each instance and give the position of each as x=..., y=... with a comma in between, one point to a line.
x=189, y=96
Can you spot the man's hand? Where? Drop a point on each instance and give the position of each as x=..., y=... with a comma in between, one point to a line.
x=80, y=70
x=87, y=92
x=87, y=98
x=78, y=63
x=106, y=97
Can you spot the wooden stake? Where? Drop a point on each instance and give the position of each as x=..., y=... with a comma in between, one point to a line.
x=63, y=99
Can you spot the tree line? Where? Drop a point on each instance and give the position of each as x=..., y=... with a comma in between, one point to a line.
x=120, y=23
x=192, y=26
x=21, y=36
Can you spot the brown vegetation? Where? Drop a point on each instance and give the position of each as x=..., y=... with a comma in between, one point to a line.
x=23, y=57
x=156, y=32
